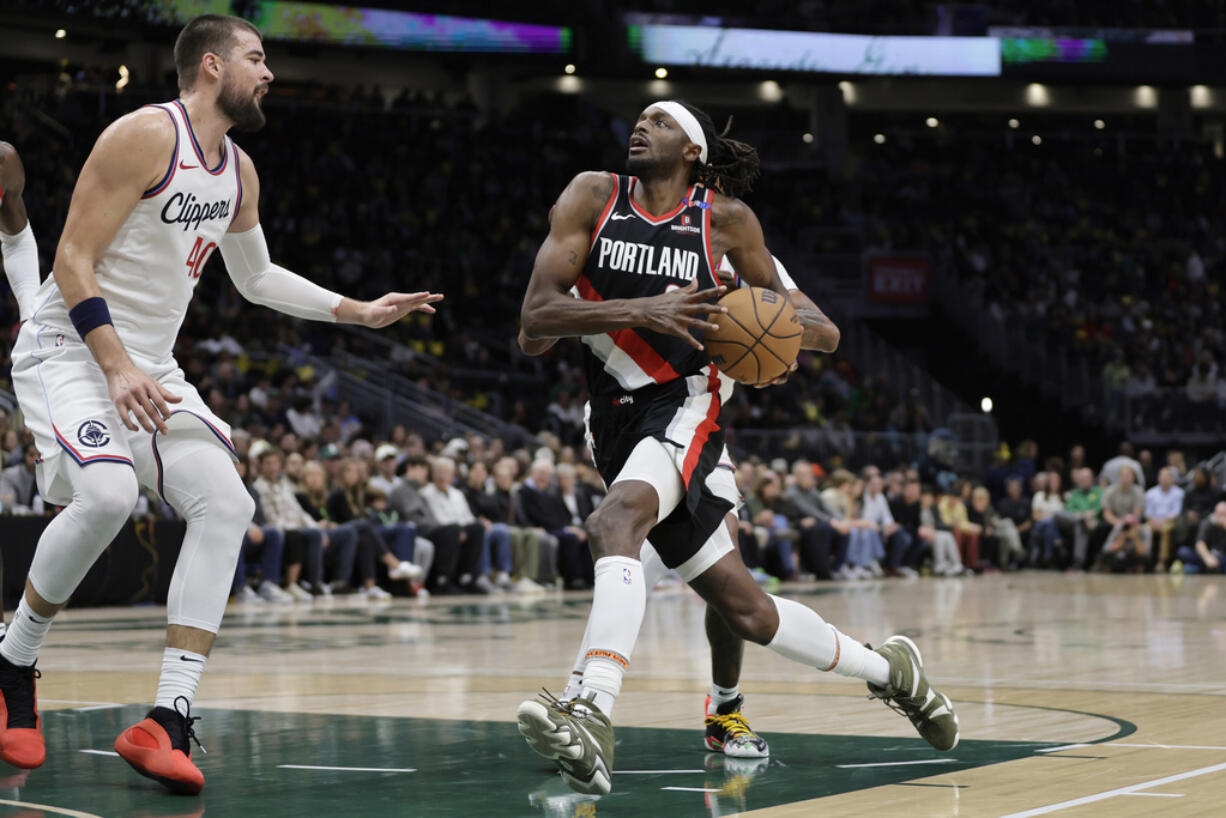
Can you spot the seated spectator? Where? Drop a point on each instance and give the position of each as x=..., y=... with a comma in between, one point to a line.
x=384, y=517
x=998, y=532
x=952, y=509
x=907, y=509
x=455, y=555
x=499, y=548
x=1046, y=543
x=392, y=545
x=1163, y=504
x=265, y=543
x=875, y=508
x=494, y=500
x=1198, y=502
x=864, y=547
x=386, y=462
x=1016, y=508
x=1209, y=554
x=449, y=507
x=777, y=522
x=1080, y=515
x=306, y=541
x=807, y=500
x=1128, y=544
x=312, y=495
x=543, y=508
x=18, y=486
x=946, y=561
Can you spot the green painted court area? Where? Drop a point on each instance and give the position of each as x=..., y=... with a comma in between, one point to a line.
x=269, y=764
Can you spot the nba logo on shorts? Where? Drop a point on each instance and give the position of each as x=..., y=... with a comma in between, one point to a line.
x=626, y=578
x=93, y=434
x=59, y=340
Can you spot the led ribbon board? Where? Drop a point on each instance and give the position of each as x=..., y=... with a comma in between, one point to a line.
x=760, y=49
x=346, y=25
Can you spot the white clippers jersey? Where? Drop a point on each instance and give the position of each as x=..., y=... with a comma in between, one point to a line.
x=148, y=273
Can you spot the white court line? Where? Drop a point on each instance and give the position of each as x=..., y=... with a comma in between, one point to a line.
x=76, y=701
x=349, y=769
x=96, y=707
x=45, y=808
x=900, y=763
x=1062, y=749
x=690, y=789
x=1102, y=796
x=1167, y=746
x=655, y=772
x=101, y=753
x=1158, y=794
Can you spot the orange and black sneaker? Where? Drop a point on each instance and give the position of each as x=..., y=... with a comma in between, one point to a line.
x=158, y=748
x=21, y=728
x=729, y=733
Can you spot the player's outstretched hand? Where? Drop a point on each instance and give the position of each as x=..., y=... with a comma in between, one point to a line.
x=678, y=311
x=137, y=395
x=781, y=379
x=386, y=310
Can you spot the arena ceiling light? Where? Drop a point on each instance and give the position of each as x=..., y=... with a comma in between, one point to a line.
x=932, y=122
x=1013, y=123
x=1037, y=96
x=570, y=68
x=60, y=34
x=1099, y=124
x=661, y=73
x=807, y=138
x=1036, y=140
x=879, y=138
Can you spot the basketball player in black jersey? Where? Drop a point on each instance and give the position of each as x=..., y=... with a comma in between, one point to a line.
x=641, y=252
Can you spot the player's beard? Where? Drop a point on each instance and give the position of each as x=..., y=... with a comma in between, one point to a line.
x=240, y=108
x=644, y=167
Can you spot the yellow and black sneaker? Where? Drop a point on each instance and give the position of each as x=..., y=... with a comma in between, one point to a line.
x=729, y=733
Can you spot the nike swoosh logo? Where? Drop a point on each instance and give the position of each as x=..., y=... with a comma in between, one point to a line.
x=187, y=167
x=618, y=217
x=185, y=659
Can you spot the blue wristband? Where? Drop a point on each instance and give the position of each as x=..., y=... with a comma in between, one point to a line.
x=89, y=315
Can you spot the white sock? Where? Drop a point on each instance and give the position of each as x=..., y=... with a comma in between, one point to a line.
x=719, y=695
x=25, y=636
x=618, y=601
x=181, y=671
x=805, y=637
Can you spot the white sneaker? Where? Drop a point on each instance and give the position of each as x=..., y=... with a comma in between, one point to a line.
x=246, y=594
x=907, y=571
x=527, y=587
x=299, y=593
x=405, y=570
x=271, y=592
x=373, y=592
x=503, y=580
x=842, y=573
x=875, y=569
x=860, y=572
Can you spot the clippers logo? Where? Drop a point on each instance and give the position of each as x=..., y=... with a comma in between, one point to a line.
x=627, y=577
x=93, y=434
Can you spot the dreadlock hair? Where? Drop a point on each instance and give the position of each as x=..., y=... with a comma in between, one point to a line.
x=731, y=166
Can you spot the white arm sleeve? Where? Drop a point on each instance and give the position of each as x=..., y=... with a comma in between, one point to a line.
x=21, y=266
x=260, y=281
x=786, y=280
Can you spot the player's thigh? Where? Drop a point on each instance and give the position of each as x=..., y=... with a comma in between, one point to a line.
x=67, y=406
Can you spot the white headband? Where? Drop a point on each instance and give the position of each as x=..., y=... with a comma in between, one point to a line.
x=688, y=123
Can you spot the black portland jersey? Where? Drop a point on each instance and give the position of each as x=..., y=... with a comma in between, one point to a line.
x=633, y=255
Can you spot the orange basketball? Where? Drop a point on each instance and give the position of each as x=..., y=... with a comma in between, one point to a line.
x=758, y=338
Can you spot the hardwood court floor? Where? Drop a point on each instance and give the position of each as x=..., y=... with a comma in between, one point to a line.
x=1078, y=695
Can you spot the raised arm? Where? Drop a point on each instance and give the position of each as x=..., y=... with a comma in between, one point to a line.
x=549, y=311
x=245, y=252
x=128, y=159
x=17, y=244
x=737, y=234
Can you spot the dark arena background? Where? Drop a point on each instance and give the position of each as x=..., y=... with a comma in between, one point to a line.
x=1015, y=213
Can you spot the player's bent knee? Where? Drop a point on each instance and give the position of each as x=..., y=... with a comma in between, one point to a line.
x=751, y=620
x=107, y=492
x=611, y=528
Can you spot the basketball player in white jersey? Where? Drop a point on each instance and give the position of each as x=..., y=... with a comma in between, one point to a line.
x=109, y=407
x=727, y=730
